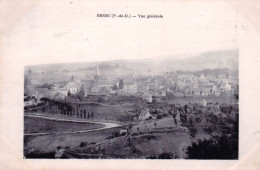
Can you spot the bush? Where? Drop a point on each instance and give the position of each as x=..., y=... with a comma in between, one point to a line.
x=164, y=155
x=50, y=155
x=123, y=134
x=82, y=144
x=222, y=148
x=116, y=134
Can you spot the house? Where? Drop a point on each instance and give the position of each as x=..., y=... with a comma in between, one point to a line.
x=130, y=87
x=29, y=102
x=73, y=87
x=35, y=82
x=202, y=77
x=145, y=115
x=225, y=87
x=180, y=85
x=217, y=93
x=198, y=91
x=203, y=102
x=235, y=89
x=178, y=94
x=123, y=132
x=148, y=98
x=162, y=93
x=216, y=106
x=208, y=89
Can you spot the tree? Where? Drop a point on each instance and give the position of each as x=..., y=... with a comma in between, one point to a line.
x=169, y=96
x=183, y=118
x=100, y=100
x=81, y=93
x=185, y=109
x=165, y=155
x=121, y=84
x=175, y=121
x=44, y=99
x=221, y=148
x=115, y=88
x=46, y=85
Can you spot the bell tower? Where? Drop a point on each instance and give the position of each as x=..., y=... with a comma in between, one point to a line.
x=97, y=75
x=97, y=70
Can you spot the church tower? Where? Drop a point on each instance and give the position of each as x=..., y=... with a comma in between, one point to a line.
x=97, y=71
x=97, y=76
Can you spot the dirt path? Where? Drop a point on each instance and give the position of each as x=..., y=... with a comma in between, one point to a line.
x=106, y=125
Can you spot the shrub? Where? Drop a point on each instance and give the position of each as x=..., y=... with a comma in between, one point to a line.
x=38, y=155
x=82, y=144
x=222, y=148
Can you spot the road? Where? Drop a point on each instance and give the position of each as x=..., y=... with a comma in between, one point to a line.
x=106, y=125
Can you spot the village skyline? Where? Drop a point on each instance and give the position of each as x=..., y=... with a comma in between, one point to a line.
x=169, y=105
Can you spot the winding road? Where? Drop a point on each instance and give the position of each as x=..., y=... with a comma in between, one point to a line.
x=106, y=125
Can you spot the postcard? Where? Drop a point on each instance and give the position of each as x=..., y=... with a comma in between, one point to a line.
x=129, y=85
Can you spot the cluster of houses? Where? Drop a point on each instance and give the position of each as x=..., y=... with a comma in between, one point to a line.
x=181, y=85
x=147, y=86
x=190, y=85
x=147, y=113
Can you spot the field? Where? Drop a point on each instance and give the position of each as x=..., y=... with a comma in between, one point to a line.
x=220, y=99
x=174, y=142
x=49, y=143
x=147, y=145
x=39, y=125
x=114, y=113
x=167, y=122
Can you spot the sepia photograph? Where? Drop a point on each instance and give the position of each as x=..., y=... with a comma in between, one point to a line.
x=129, y=84
x=134, y=109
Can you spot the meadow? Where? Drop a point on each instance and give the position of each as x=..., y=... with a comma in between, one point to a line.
x=39, y=125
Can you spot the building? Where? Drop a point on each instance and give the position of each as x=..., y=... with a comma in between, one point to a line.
x=203, y=102
x=208, y=90
x=225, y=87
x=147, y=97
x=62, y=91
x=100, y=84
x=145, y=115
x=30, y=101
x=130, y=87
x=73, y=87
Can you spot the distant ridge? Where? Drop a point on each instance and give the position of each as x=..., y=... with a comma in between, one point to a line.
x=207, y=60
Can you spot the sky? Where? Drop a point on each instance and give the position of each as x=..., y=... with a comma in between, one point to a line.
x=69, y=31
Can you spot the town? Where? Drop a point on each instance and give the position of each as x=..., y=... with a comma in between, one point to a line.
x=97, y=112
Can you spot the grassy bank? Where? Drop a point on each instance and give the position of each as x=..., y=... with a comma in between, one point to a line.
x=39, y=125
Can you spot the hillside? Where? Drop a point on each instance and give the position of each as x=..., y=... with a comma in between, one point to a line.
x=208, y=60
